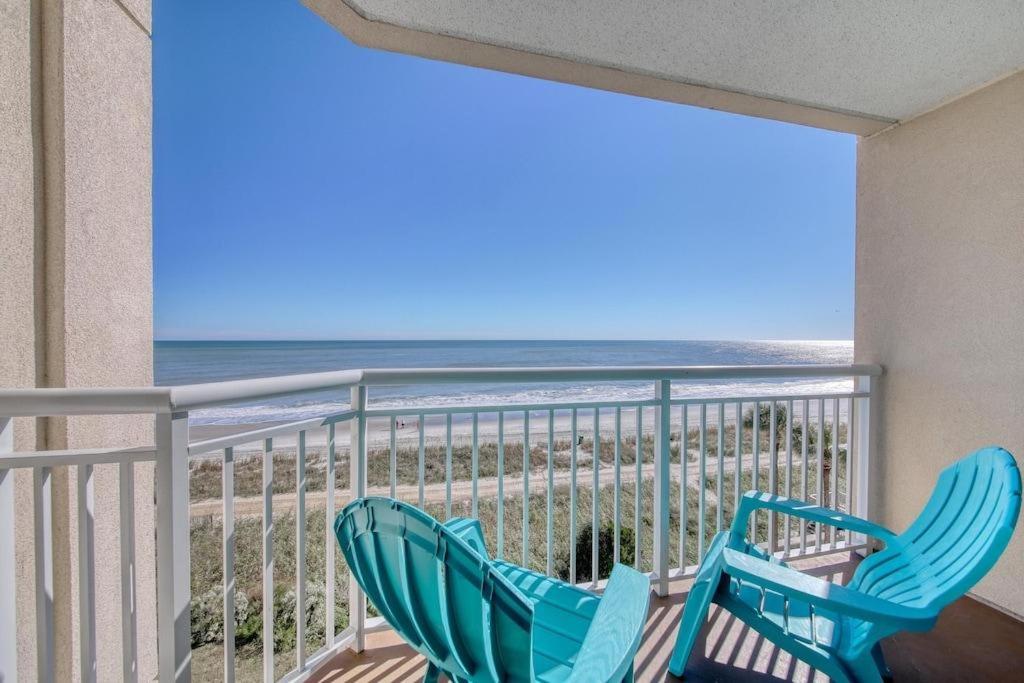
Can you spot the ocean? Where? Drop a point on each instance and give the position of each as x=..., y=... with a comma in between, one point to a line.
x=191, y=362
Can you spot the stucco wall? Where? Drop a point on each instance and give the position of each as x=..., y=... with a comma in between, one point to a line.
x=940, y=300
x=76, y=283
x=17, y=256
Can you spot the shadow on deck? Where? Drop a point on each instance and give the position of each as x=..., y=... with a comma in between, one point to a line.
x=970, y=642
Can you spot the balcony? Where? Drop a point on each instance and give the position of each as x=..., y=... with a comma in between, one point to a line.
x=970, y=642
x=248, y=514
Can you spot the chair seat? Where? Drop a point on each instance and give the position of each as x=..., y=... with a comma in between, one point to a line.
x=562, y=615
x=817, y=628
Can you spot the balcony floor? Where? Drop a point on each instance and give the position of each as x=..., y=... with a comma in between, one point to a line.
x=970, y=642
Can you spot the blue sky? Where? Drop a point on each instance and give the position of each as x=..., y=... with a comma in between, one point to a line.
x=308, y=188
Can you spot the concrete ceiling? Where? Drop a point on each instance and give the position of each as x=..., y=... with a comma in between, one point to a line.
x=855, y=66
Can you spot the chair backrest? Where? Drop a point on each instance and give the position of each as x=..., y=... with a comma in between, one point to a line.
x=441, y=596
x=955, y=540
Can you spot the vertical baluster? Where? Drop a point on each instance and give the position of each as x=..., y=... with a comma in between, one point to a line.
x=227, y=485
x=476, y=461
x=820, y=470
x=501, y=486
x=526, y=488
x=849, y=462
x=357, y=483
x=638, y=485
x=834, y=467
x=173, y=556
x=773, y=473
x=572, y=502
x=330, y=544
x=595, y=522
x=789, y=473
x=129, y=621
x=720, y=484
x=448, y=467
x=43, y=503
x=862, y=425
x=300, y=551
x=421, y=473
x=737, y=458
x=662, y=482
x=755, y=464
x=268, y=560
x=702, y=481
x=86, y=573
x=393, y=462
x=617, y=490
x=8, y=594
x=805, y=437
x=684, y=513
x=551, y=494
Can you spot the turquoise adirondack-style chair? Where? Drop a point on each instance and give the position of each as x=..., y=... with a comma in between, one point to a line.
x=836, y=629
x=479, y=619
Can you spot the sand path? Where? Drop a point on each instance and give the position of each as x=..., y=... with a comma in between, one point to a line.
x=487, y=488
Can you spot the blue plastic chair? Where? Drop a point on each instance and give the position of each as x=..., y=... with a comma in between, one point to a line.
x=478, y=619
x=836, y=629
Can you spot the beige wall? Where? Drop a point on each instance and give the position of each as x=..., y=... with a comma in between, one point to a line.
x=940, y=300
x=76, y=281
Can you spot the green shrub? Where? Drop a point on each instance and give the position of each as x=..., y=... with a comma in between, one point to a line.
x=606, y=552
x=208, y=617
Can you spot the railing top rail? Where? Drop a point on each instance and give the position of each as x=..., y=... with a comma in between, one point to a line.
x=221, y=393
x=106, y=401
x=192, y=396
x=391, y=376
x=78, y=456
x=29, y=402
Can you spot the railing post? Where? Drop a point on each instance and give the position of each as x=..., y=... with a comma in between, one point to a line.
x=662, y=455
x=357, y=482
x=8, y=617
x=172, y=548
x=861, y=447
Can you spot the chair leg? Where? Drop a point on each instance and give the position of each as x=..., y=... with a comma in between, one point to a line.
x=432, y=675
x=695, y=610
x=883, y=668
x=865, y=669
x=695, y=613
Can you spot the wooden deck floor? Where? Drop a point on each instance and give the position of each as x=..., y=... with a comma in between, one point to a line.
x=970, y=642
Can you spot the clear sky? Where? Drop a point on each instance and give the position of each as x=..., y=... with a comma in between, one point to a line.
x=308, y=188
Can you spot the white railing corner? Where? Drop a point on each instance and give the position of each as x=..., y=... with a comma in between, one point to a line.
x=662, y=480
x=860, y=433
x=357, y=482
x=174, y=641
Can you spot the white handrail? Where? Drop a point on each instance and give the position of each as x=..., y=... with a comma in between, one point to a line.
x=106, y=401
x=112, y=401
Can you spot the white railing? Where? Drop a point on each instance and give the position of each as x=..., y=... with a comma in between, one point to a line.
x=813, y=446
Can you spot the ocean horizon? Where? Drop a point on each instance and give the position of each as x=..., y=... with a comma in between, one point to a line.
x=193, y=362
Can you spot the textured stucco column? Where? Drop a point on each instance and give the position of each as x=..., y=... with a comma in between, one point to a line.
x=76, y=279
x=18, y=271
x=940, y=300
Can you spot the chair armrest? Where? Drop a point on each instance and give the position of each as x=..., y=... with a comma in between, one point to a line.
x=756, y=500
x=851, y=603
x=468, y=529
x=614, y=635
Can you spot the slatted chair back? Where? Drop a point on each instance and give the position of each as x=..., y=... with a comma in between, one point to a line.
x=956, y=539
x=436, y=592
